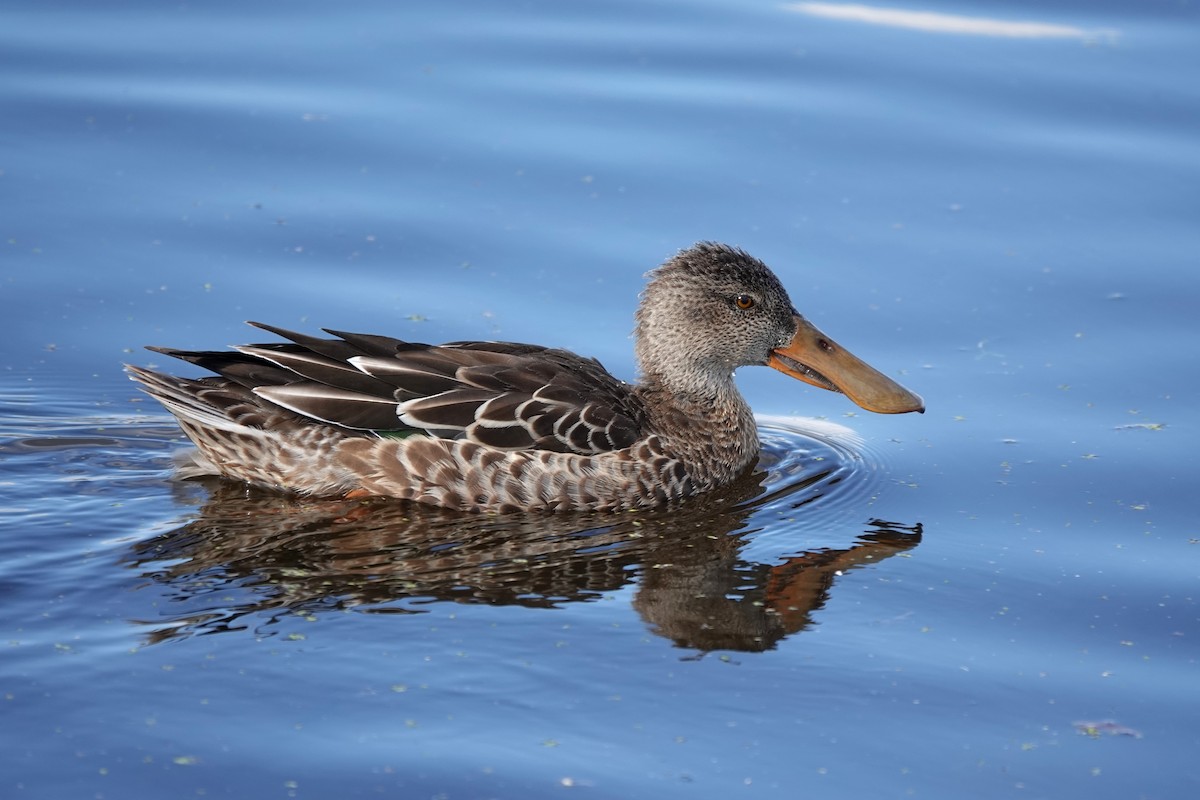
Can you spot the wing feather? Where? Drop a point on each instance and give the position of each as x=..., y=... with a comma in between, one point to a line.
x=454, y=409
x=344, y=407
x=316, y=367
x=503, y=395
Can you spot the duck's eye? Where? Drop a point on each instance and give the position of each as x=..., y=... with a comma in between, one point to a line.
x=743, y=301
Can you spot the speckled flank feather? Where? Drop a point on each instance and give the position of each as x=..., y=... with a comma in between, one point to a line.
x=497, y=426
x=472, y=477
x=238, y=436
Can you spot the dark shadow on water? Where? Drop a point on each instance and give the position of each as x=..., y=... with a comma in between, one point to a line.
x=250, y=558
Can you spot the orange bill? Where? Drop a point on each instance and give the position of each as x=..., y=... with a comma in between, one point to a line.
x=814, y=358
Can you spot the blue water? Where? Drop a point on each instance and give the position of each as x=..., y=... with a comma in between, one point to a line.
x=917, y=606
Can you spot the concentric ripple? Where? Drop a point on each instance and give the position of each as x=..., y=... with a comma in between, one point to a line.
x=820, y=475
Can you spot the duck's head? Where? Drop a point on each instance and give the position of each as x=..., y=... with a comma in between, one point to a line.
x=713, y=308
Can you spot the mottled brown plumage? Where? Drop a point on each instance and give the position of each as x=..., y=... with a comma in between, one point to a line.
x=498, y=426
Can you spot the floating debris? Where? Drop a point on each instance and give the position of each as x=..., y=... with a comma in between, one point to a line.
x=1096, y=729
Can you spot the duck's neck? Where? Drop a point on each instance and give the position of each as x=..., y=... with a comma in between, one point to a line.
x=710, y=428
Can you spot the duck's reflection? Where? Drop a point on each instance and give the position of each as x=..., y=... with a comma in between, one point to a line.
x=252, y=556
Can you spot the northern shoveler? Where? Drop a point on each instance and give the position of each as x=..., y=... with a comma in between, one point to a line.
x=498, y=426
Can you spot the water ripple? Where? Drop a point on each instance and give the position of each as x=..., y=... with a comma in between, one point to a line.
x=821, y=468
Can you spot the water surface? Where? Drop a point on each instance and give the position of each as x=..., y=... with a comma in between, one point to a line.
x=996, y=204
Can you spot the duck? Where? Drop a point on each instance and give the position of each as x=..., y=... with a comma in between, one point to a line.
x=503, y=427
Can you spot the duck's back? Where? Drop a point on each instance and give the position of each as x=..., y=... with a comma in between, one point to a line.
x=499, y=394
